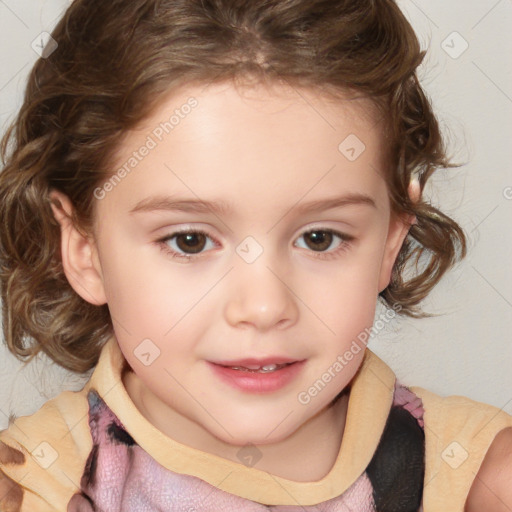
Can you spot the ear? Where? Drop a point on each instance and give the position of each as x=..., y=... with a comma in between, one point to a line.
x=79, y=254
x=398, y=228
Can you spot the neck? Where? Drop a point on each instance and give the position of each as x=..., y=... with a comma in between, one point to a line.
x=317, y=441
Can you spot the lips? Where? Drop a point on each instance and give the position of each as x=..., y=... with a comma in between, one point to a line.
x=257, y=380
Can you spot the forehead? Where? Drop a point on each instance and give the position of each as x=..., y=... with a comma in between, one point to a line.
x=258, y=108
x=247, y=102
x=222, y=140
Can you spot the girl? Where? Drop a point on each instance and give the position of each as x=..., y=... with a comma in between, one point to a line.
x=203, y=201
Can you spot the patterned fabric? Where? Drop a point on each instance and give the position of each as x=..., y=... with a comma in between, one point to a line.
x=120, y=476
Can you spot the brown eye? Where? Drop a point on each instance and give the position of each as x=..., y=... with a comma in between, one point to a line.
x=326, y=243
x=187, y=244
x=191, y=243
x=318, y=240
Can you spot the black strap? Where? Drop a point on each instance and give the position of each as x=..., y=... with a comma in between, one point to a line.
x=398, y=466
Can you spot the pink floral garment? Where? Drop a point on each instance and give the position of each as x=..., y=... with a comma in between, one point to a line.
x=120, y=476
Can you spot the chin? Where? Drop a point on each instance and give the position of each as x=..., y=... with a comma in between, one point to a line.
x=260, y=439
x=258, y=434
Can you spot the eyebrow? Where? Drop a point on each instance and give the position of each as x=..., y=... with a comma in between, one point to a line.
x=221, y=207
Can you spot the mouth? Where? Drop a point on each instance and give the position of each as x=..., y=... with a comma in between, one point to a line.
x=267, y=368
x=258, y=365
x=266, y=377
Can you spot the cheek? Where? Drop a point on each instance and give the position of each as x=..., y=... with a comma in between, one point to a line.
x=148, y=295
x=352, y=280
x=347, y=300
x=135, y=289
x=128, y=271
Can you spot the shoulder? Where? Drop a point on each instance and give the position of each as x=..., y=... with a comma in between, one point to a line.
x=492, y=488
x=36, y=450
x=456, y=413
x=459, y=433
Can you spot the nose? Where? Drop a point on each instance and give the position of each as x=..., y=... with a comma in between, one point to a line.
x=259, y=297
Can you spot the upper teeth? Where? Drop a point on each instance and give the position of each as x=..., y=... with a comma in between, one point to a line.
x=266, y=368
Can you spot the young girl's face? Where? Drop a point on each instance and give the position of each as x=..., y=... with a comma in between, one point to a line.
x=284, y=265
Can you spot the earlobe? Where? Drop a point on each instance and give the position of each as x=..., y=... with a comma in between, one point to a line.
x=398, y=229
x=78, y=252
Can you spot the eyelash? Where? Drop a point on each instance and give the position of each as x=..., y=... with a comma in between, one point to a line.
x=345, y=242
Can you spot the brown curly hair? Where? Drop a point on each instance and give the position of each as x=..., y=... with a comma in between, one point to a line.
x=116, y=58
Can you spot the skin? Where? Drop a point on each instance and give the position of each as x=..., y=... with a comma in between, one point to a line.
x=491, y=489
x=266, y=151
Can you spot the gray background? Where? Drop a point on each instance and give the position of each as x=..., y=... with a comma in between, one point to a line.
x=467, y=349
